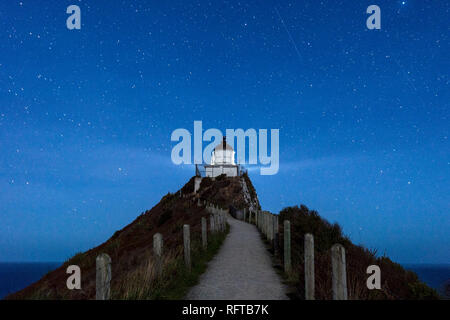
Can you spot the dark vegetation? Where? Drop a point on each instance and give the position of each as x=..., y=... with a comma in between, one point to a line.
x=251, y=188
x=131, y=251
x=188, y=187
x=223, y=191
x=133, y=271
x=175, y=281
x=396, y=282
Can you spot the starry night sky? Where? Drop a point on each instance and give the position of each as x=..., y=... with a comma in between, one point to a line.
x=86, y=115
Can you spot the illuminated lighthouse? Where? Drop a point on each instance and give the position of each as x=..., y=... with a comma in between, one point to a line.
x=222, y=161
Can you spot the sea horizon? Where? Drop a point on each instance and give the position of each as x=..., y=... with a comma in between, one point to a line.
x=15, y=276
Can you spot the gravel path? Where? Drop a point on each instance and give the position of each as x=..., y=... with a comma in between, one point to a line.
x=241, y=270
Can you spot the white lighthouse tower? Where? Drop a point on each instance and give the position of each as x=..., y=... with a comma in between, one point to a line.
x=222, y=161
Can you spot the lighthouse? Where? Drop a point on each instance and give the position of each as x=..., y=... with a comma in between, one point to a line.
x=222, y=161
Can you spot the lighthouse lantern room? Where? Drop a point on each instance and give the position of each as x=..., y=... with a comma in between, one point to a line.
x=222, y=161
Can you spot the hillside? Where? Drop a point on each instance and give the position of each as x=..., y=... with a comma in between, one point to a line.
x=133, y=275
x=396, y=282
x=131, y=248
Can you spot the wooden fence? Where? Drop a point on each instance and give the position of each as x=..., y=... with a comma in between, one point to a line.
x=217, y=220
x=268, y=224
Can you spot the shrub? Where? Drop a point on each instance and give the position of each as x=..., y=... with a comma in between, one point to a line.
x=397, y=283
x=221, y=177
x=165, y=216
x=189, y=186
x=206, y=182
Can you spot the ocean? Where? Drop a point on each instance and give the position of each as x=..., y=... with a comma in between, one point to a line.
x=16, y=276
x=436, y=276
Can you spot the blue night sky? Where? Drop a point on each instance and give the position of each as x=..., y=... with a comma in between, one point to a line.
x=86, y=115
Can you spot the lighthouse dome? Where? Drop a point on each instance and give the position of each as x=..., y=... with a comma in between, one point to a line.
x=223, y=154
x=223, y=146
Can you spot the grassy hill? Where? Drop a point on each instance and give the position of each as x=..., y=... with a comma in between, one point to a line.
x=133, y=272
x=396, y=282
x=131, y=249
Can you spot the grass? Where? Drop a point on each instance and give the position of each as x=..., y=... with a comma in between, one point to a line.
x=134, y=267
x=397, y=283
x=174, y=281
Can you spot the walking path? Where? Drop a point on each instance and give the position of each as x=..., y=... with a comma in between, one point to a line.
x=241, y=270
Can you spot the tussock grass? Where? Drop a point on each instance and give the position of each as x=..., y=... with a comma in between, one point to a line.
x=174, y=281
x=397, y=283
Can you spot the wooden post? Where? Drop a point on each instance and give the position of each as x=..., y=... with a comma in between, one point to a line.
x=275, y=234
x=256, y=218
x=287, y=246
x=339, y=277
x=157, y=251
x=260, y=220
x=211, y=223
x=263, y=227
x=204, y=234
x=266, y=215
x=245, y=213
x=224, y=221
x=270, y=227
x=277, y=228
x=309, y=266
x=157, y=244
x=103, y=277
x=187, y=246
x=263, y=223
